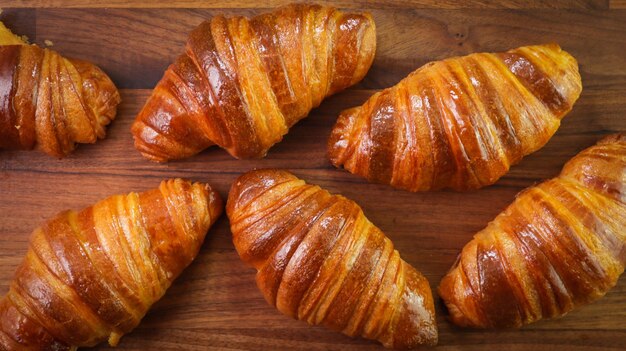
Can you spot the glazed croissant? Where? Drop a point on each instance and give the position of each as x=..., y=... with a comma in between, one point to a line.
x=242, y=83
x=50, y=102
x=92, y=275
x=560, y=245
x=458, y=123
x=319, y=259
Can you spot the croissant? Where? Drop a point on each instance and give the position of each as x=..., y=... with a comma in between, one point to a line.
x=560, y=245
x=242, y=83
x=319, y=259
x=458, y=123
x=50, y=102
x=92, y=275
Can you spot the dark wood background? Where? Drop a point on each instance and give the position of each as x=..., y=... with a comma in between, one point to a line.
x=215, y=303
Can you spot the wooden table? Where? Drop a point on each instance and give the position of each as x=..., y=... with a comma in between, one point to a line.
x=215, y=303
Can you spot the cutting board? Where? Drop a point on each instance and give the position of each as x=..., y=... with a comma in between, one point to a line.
x=215, y=303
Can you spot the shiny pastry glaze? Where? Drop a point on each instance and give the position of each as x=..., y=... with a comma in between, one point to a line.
x=459, y=123
x=559, y=245
x=320, y=260
x=242, y=83
x=92, y=275
x=50, y=102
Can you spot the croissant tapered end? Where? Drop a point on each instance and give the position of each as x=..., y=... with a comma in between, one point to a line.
x=249, y=186
x=320, y=260
x=561, y=244
x=416, y=324
x=459, y=123
x=50, y=102
x=100, y=95
x=339, y=140
x=243, y=82
x=193, y=207
x=164, y=130
x=91, y=276
x=9, y=38
x=602, y=167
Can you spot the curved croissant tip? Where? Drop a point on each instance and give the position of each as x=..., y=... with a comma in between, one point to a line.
x=141, y=133
x=102, y=96
x=340, y=136
x=245, y=187
x=183, y=184
x=202, y=191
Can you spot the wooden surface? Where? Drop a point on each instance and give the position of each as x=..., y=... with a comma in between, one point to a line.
x=215, y=303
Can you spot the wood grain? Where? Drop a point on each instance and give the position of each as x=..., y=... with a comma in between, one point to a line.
x=617, y=4
x=449, y=4
x=215, y=303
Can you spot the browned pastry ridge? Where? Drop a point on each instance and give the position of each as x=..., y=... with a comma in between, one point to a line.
x=561, y=244
x=242, y=83
x=50, y=102
x=92, y=275
x=320, y=260
x=459, y=123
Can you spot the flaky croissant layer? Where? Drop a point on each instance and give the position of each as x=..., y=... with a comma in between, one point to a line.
x=50, y=102
x=559, y=245
x=243, y=82
x=459, y=123
x=320, y=260
x=91, y=276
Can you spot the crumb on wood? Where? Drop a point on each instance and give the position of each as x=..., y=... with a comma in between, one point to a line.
x=48, y=42
x=24, y=38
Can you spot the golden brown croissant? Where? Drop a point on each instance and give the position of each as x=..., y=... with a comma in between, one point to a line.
x=92, y=275
x=319, y=259
x=242, y=83
x=559, y=245
x=459, y=123
x=48, y=101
